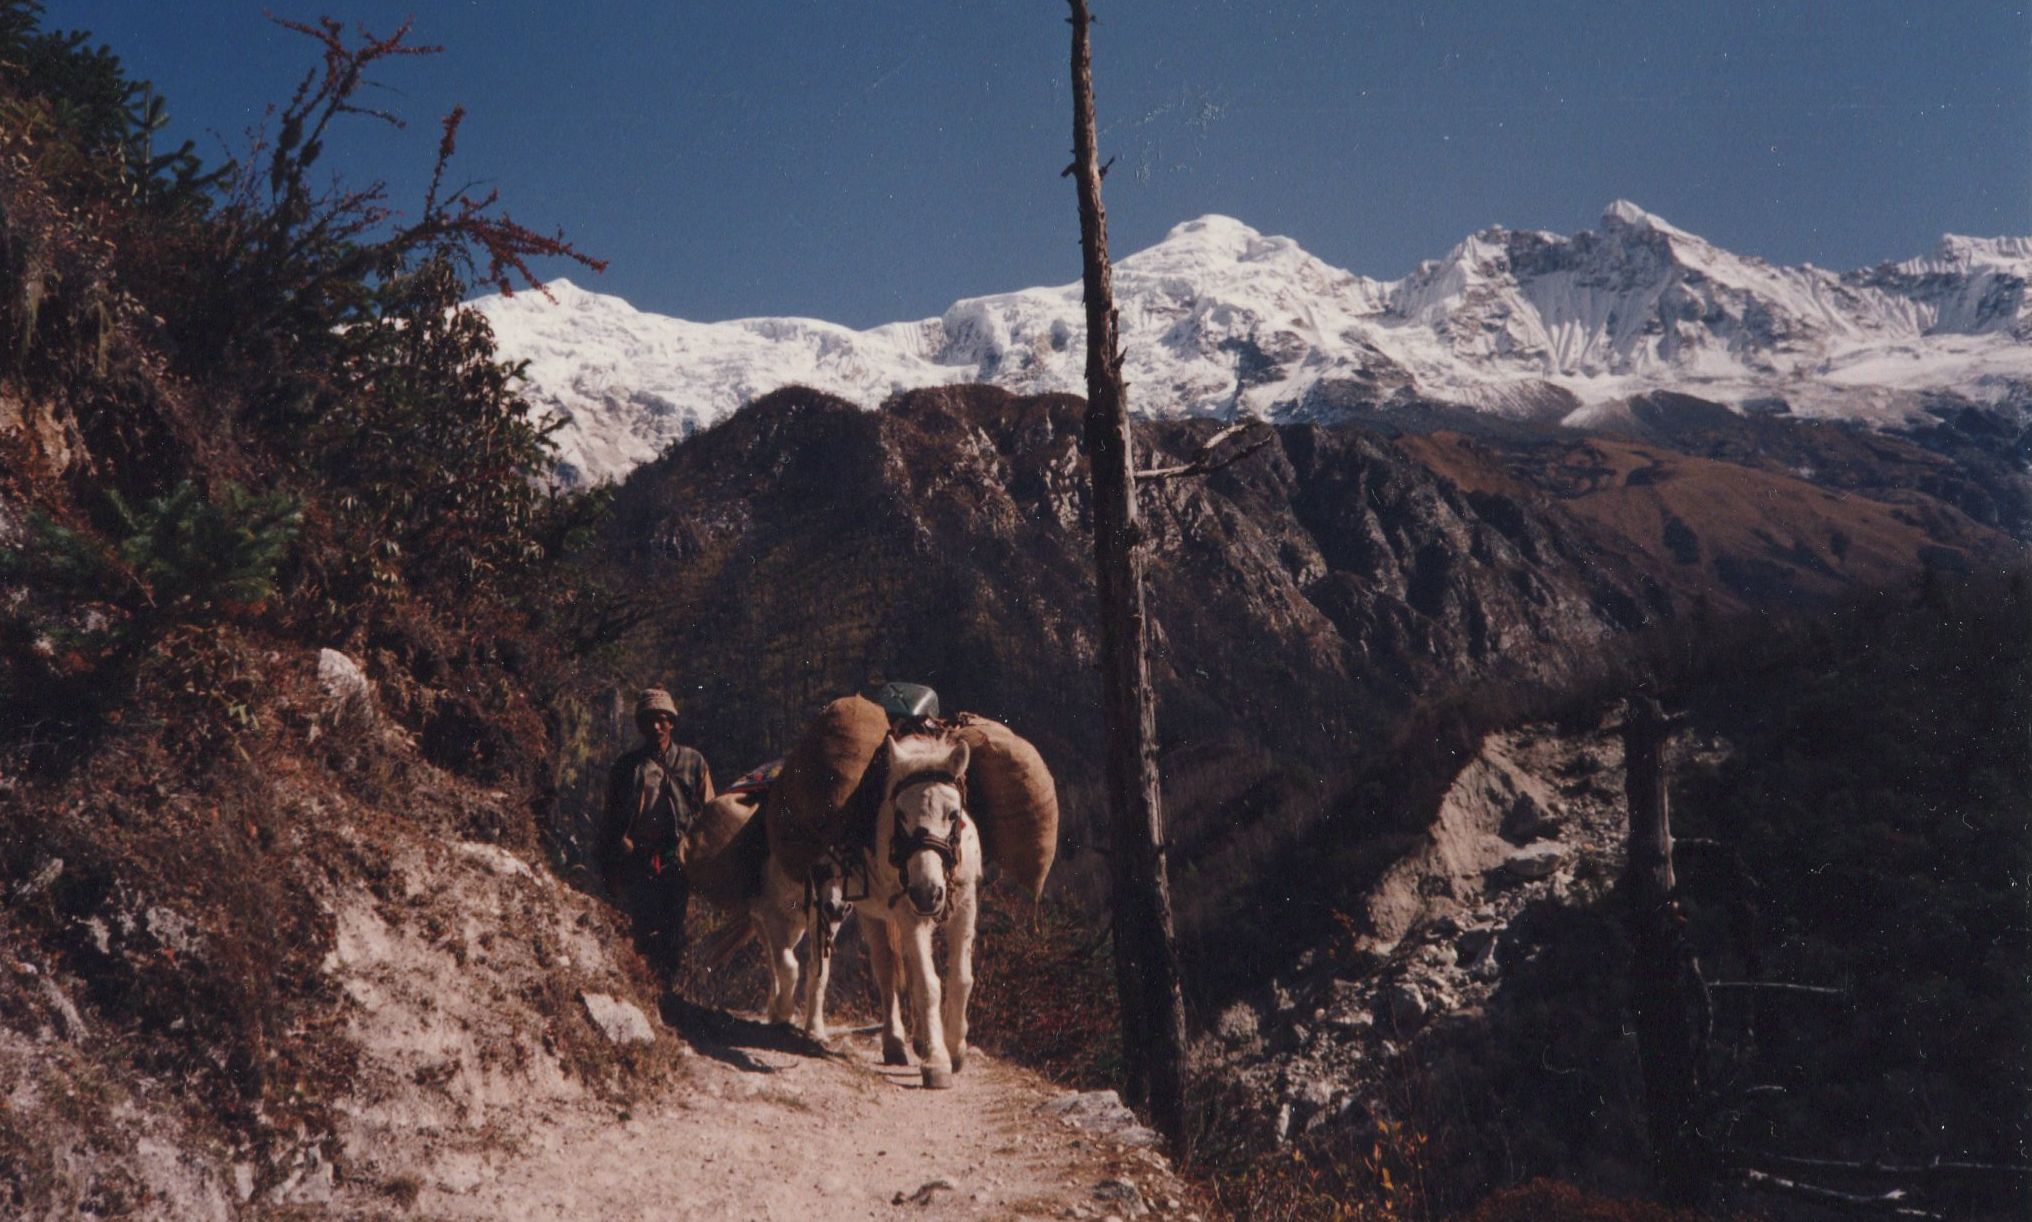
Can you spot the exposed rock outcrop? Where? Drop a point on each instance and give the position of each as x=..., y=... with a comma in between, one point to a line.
x=1457, y=984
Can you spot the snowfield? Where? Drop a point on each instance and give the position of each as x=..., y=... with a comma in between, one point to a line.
x=1220, y=320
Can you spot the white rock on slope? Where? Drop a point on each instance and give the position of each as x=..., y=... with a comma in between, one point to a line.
x=621, y=1021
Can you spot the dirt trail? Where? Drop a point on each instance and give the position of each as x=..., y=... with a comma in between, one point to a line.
x=768, y=1127
x=511, y=1067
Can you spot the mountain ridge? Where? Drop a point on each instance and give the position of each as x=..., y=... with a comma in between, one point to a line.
x=1221, y=320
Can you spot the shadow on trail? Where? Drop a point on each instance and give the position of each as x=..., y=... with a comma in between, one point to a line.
x=729, y=1037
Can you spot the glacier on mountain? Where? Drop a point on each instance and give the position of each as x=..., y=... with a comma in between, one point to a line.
x=1220, y=320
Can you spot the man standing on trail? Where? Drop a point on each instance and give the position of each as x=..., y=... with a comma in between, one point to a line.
x=653, y=794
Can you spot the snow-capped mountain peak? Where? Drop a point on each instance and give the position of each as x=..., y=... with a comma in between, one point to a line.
x=1956, y=253
x=1624, y=214
x=1221, y=319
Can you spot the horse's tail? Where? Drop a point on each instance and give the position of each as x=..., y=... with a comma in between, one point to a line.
x=719, y=948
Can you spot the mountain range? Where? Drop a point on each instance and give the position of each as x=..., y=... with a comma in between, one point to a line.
x=1221, y=320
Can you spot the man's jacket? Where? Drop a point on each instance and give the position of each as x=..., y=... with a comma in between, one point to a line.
x=652, y=799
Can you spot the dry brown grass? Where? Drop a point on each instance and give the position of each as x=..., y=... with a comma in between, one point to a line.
x=1747, y=532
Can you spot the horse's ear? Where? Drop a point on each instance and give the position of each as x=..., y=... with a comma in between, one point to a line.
x=956, y=763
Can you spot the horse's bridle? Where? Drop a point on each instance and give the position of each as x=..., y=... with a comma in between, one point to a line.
x=847, y=874
x=905, y=843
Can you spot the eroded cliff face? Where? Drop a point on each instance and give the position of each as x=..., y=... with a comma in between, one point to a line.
x=1474, y=997
x=1848, y=809
x=1301, y=599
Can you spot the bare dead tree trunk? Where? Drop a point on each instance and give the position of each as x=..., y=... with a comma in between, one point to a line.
x=1668, y=998
x=1146, y=953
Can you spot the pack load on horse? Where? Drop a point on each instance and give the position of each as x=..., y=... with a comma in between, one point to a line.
x=726, y=848
x=832, y=782
x=856, y=796
x=828, y=838
x=726, y=858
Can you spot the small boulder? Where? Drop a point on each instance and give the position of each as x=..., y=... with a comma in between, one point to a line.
x=1527, y=819
x=1535, y=861
x=1347, y=1008
x=1350, y=1019
x=1474, y=943
x=1123, y=1195
x=1237, y=1026
x=622, y=1022
x=345, y=685
x=1408, y=1008
x=1100, y=1111
x=1311, y=1094
x=1368, y=955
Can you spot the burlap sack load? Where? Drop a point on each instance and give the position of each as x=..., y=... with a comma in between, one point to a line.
x=726, y=851
x=1011, y=796
x=827, y=794
x=811, y=804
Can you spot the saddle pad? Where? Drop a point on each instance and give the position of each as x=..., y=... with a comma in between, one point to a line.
x=756, y=780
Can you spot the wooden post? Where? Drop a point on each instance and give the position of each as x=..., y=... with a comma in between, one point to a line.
x=1668, y=998
x=1146, y=953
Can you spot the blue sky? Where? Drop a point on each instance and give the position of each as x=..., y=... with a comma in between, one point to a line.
x=871, y=160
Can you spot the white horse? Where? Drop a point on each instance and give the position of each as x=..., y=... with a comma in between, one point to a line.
x=924, y=873
x=809, y=911
x=783, y=912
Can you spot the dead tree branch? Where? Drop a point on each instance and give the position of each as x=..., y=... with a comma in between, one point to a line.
x=1935, y=1168
x=1669, y=1004
x=1146, y=950
x=1778, y=986
x=1891, y=1202
x=1203, y=460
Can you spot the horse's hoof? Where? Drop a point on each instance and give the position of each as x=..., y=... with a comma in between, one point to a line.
x=895, y=1056
x=959, y=1060
x=937, y=1079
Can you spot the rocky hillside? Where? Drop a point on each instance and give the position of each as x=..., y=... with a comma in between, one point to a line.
x=1851, y=795
x=290, y=631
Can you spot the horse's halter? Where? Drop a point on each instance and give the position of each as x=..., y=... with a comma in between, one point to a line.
x=846, y=873
x=905, y=843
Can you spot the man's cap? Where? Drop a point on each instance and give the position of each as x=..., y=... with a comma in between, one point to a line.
x=654, y=700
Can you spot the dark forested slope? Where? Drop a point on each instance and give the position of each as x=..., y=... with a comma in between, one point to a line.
x=1303, y=600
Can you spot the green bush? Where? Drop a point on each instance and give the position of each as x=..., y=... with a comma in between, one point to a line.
x=195, y=558
x=84, y=614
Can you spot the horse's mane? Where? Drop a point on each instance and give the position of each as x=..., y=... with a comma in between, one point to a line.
x=916, y=754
